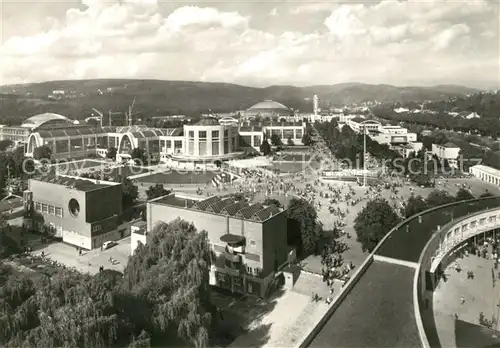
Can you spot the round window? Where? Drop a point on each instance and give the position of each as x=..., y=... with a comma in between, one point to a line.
x=74, y=207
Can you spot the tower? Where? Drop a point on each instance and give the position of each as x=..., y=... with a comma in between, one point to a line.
x=315, y=104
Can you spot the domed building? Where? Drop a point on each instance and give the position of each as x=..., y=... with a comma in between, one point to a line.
x=19, y=134
x=268, y=108
x=47, y=120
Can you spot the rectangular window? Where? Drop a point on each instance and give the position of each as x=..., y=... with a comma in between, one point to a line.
x=215, y=148
x=169, y=144
x=215, y=134
x=202, y=134
x=59, y=212
x=52, y=210
x=178, y=144
x=202, y=148
x=191, y=134
x=38, y=206
x=226, y=133
x=256, y=140
x=45, y=208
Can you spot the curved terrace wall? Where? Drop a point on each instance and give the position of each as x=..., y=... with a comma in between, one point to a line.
x=407, y=242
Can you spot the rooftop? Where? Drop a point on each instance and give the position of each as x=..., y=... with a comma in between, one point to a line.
x=449, y=145
x=41, y=119
x=227, y=206
x=488, y=170
x=268, y=105
x=77, y=183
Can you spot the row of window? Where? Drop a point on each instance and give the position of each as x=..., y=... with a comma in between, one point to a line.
x=49, y=209
x=203, y=134
x=168, y=143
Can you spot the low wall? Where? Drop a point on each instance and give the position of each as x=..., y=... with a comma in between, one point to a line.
x=338, y=300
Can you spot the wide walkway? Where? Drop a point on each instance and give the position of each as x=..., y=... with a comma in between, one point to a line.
x=379, y=303
x=292, y=317
x=481, y=294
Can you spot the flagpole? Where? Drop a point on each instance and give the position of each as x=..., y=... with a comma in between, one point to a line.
x=364, y=156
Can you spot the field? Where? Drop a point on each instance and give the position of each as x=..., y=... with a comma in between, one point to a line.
x=178, y=177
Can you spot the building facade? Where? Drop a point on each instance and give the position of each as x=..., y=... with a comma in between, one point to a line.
x=486, y=174
x=448, y=152
x=249, y=240
x=82, y=212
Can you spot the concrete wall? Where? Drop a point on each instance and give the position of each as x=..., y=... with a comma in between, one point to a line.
x=135, y=239
x=59, y=196
x=103, y=203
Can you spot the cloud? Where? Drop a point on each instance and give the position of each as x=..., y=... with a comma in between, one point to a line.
x=396, y=42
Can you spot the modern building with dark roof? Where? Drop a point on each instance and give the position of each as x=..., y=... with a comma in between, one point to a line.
x=249, y=239
x=83, y=212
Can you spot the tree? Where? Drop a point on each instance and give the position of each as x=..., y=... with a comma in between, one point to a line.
x=156, y=191
x=464, y=194
x=439, y=197
x=272, y=201
x=373, y=222
x=111, y=153
x=162, y=296
x=414, y=205
x=303, y=229
x=275, y=140
x=265, y=148
x=42, y=152
x=139, y=156
x=176, y=287
x=6, y=144
x=290, y=142
x=130, y=192
x=306, y=139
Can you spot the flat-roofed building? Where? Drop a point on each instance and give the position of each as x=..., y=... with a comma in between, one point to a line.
x=83, y=212
x=485, y=173
x=248, y=239
x=448, y=152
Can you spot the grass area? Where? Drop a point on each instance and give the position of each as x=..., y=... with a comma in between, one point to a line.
x=294, y=157
x=378, y=312
x=77, y=165
x=290, y=167
x=179, y=178
x=407, y=243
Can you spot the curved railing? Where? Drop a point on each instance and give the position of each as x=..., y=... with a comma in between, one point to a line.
x=368, y=261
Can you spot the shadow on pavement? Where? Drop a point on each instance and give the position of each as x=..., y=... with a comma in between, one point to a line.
x=474, y=335
x=240, y=319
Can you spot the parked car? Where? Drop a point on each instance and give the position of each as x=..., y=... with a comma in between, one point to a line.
x=108, y=244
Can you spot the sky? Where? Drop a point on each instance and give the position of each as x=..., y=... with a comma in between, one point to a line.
x=255, y=43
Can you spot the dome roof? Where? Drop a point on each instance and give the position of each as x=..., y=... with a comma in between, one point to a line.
x=269, y=105
x=209, y=121
x=41, y=119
